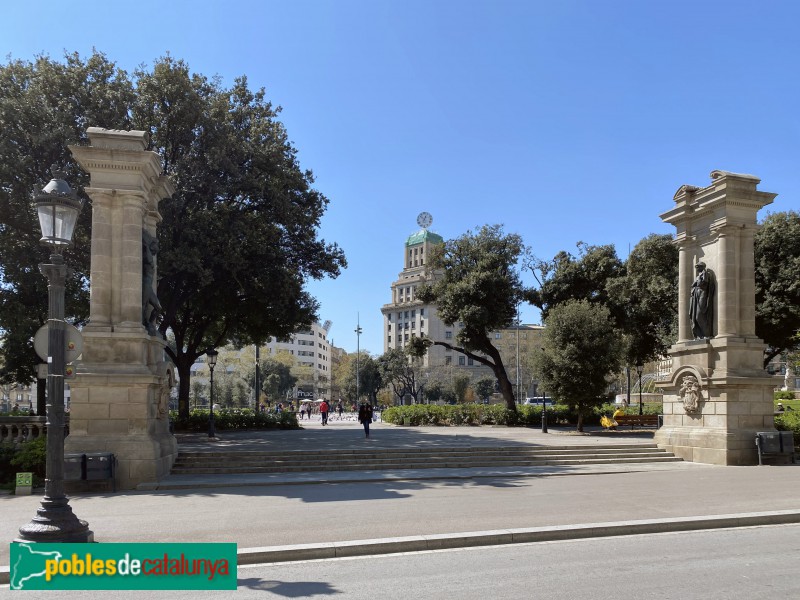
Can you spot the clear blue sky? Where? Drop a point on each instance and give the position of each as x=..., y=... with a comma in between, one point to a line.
x=565, y=121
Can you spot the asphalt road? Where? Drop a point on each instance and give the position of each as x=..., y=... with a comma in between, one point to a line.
x=727, y=564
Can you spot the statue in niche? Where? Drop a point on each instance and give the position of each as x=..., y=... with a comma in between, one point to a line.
x=690, y=393
x=701, y=303
x=151, y=307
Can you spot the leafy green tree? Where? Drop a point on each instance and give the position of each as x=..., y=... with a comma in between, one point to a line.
x=242, y=192
x=434, y=391
x=581, y=349
x=239, y=237
x=461, y=386
x=583, y=277
x=777, y=255
x=402, y=372
x=370, y=379
x=275, y=378
x=480, y=287
x=484, y=387
x=647, y=296
x=44, y=106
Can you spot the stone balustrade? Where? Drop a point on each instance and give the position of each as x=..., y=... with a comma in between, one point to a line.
x=18, y=429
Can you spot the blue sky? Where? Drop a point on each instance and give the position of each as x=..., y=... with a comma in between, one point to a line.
x=564, y=121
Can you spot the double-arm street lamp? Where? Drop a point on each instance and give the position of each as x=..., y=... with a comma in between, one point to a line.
x=211, y=359
x=58, y=207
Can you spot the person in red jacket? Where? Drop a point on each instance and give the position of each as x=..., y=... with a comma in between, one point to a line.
x=323, y=410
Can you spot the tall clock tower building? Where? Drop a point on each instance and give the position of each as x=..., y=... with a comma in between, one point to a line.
x=406, y=317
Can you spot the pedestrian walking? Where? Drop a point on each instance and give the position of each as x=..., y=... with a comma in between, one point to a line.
x=323, y=410
x=340, y=409
x=365, y=416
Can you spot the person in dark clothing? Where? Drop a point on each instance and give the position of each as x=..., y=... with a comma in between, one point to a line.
x=365, y=416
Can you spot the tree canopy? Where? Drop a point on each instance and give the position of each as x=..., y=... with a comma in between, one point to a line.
x=777, y=255
x=477, y=284
x=239, y=237
x=581, y=349
x=402, y=372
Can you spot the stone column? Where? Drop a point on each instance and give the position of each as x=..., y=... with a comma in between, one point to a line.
x=726, y=276
x=101, y=272
x=684, y=285
x=120, y=393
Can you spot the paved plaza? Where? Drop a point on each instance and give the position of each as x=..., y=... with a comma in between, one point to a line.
x=275, y=516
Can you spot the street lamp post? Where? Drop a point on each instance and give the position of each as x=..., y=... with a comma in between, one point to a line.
x=544, y=408
x=257, y=382
x=358, y=331
x=639, y=369
x=211, y=357
x=544, y=412
x=58, y=208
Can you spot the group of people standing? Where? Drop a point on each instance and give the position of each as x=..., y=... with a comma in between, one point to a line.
x=365, y=413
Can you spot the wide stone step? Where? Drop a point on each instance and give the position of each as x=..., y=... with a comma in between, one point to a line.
x=476, y=464
x=515, y=450
x=395, y=459
x=237, y=462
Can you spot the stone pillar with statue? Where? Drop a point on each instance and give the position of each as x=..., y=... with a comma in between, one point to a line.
x=718, y=394
x=120, y=394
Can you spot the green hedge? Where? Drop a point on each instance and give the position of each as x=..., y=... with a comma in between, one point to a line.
x=496, y=414
x=28, y=457
x=789, y=421
x=226, y=419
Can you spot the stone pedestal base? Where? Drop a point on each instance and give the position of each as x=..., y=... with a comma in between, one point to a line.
x=733, y=401
x=709, y=445
x=120, y=406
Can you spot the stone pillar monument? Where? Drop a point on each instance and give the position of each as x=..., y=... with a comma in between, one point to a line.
x=119, y=397
x=718, y=394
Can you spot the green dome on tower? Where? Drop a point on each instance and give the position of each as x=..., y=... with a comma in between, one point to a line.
x=423, y=235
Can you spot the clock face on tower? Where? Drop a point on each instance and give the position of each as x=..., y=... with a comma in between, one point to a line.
x=424, y=220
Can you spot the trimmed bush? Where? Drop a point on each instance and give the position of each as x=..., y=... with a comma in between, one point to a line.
x=497, y=414
x=789, y=421
x=28, y=457
x=231, y=419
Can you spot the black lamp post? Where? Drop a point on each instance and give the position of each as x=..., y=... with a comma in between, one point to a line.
x=58, y=207
x=639, y=369
x=544, y=412
x=211, y=358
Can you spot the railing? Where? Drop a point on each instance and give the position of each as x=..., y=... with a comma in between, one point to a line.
x=24, y=428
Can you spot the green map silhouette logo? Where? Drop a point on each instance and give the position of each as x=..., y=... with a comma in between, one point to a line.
x=123, y=566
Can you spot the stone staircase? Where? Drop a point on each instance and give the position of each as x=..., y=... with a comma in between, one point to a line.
x=390, y=459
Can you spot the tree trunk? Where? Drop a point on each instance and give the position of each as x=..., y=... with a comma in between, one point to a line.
x=184, y=368
x=505, y=387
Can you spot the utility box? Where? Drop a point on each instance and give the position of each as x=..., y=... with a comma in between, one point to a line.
x=775, y=443
x=90, y=472
x=100, y=466
x=74, y=467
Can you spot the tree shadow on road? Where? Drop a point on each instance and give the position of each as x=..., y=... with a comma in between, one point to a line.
x=293, y=589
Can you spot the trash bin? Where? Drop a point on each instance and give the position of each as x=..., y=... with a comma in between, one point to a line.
x=100, y=466
x=74, y=467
